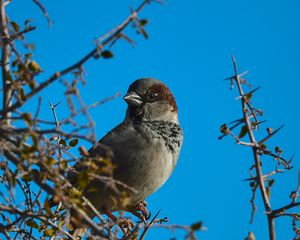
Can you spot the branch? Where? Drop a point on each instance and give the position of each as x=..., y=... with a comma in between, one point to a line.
x=21, y=33
x=43, y=9
x=115, y=33
x=270, y=135
x=279, y=211
x=6, y=77
x=259, y=174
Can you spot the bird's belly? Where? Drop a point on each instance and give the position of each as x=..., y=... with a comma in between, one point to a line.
x=147, y=170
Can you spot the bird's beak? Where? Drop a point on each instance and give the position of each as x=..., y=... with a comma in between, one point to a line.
x=132, y=98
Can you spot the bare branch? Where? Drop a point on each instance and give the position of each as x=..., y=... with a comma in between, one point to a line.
x=6, y=76
x=43, y=9
x=260, y=179
x=115, y=33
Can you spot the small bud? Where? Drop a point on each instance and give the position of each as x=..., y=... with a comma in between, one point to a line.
x=224, y=129
x=269, y=130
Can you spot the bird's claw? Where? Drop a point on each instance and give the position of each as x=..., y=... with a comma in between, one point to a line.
x=141, y=211
x=125, y=224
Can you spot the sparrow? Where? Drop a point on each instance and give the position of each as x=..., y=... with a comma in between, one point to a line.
x=143, y=149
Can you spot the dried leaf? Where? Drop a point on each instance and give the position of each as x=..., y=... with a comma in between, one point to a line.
x=15, y=62
x=107, y=54
x=278, y=150
x=268, y=191
x=248, y=96
x=271, y=182
x=73, y=142
x=27, y=117
x=27, y=21
x=62, y=142
x=196, y=226
x=224, y=129
x=32, y=223
x=293, y=194
x=48, y=208
x=50, y=161
x=49, y=232
x=32, y=84
x=8, y=76
x=144, y=22
x=34, y=67
x=83, y=151
x=27, y=177
x=243, y=131
x=264, y=146
x=15, y=26
x=269, y=130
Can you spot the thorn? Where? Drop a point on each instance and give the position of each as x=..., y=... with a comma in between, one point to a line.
x=270, y=135
x=233, y=59
x=229, y=78
x=252, y=91
x=291, y=159
x=260, y=122
x=57, y=104
x=249, y=179
x=243, y=74
x=236, y=121
x=155, y=216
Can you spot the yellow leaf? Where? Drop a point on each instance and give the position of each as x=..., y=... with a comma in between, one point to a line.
x=243, y=131
x=34, y=66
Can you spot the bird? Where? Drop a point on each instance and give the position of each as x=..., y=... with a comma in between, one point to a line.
x=143, y=149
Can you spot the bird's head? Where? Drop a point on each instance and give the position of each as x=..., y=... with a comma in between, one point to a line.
x=149, y=99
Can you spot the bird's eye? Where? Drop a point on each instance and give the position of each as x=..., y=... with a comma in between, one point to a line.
x=152, y=96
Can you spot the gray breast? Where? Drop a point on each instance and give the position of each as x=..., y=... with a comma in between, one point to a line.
x=151, y=155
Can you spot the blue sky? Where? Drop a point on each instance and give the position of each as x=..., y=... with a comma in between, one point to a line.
x=189, y=48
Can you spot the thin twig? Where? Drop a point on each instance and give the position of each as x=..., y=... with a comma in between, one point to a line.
x=147, y=227
x=76, y=65
x=43, y=9
x=57, y=126
x=259, y=174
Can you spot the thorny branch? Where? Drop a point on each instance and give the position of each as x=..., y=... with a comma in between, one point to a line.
x=5, y=62
x=93, y=53
x=36, y=153
x=249, y=124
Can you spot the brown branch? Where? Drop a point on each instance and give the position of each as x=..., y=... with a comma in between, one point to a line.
x=270, y=135
x=93, y=105
x=14, y=210
x=43, y=9
x=78, y=64
x=45, y=131
x=253, y=206
x=6, y=78
x=259, y=174
x=57, y=126
x=277, y=212
x=36, y=179
x=86, y=219
x=21, y=33
x=147, y=227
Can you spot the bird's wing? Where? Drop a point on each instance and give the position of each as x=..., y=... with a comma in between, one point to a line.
x=109, y=146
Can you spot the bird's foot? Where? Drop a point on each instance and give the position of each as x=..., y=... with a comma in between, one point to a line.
x=125, y=224
x=140, y=211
